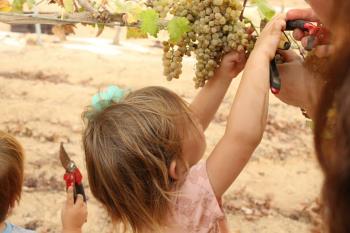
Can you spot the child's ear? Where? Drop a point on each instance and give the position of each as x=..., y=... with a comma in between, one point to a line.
x=173, y=170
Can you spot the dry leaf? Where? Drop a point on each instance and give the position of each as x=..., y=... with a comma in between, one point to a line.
x=5, y=6
x=59, y=2
x=61, y=31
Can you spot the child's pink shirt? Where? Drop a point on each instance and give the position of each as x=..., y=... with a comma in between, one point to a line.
x=196, y=209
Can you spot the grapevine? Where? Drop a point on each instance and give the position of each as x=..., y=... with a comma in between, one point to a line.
x=206, y=29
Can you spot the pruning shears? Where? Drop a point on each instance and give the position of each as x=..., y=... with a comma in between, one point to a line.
x=73, y=176
x=305, y=26
x=312, y=29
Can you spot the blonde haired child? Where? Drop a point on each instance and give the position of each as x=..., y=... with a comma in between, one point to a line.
x=142, y=152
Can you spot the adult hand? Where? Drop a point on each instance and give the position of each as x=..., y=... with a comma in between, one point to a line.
x=300, y=87
x=321, y=43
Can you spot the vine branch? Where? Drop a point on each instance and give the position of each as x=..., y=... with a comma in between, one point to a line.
x=87, y=6
x=55, y=18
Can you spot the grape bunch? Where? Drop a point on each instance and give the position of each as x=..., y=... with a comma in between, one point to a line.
x=215, y=31
x=162, y=7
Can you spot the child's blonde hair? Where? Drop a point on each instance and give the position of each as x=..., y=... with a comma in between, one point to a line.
x=11, y=173
x=128, y=149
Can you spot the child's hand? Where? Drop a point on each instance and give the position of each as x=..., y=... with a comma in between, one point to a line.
x=74, y=215
x=301, y=87
x=270, y=37
x=231, y=65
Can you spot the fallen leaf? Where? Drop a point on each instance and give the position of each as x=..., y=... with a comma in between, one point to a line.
x=61, y=31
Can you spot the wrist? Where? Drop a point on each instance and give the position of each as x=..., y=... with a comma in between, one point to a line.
x=223, y=77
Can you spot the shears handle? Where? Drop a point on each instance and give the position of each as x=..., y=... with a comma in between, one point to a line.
x=75, y=178
x=303, y=25
x=79, y=189
x=275, y=80
x=296, y=24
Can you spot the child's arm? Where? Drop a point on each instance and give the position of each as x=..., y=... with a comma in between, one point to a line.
x=248, y=115
x=74, y=215
x=209, y=98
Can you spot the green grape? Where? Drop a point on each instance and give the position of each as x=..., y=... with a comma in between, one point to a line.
x=218, y=2
x=215, y=31
x=162, y=7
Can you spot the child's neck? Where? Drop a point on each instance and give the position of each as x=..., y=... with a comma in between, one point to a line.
x=2, y=227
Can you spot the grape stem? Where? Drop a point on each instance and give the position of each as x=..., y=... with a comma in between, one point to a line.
x=244, y=5
x=299, y=48
x=251, y=23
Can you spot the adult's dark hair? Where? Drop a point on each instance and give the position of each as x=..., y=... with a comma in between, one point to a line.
x=332, y=131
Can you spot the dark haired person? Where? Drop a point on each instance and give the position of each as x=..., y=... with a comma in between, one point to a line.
x=326, y=97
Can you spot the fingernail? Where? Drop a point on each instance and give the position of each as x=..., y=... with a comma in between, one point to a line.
x=310, y=43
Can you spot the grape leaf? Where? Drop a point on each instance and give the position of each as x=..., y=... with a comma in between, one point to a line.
x=30, y=3
x=177, y=27
x=265, y=9
x=68, y=6
x=132, y=9
x=5, y=6
x=17, y=5
x=149, y=22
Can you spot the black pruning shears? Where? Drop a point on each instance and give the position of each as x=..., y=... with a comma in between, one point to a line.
x=275, y=80
x=73, y=176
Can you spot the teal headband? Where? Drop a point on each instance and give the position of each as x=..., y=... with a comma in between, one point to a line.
x=105, y=98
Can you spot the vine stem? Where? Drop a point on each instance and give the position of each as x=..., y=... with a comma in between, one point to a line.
x=299, y=48
x=87, y=6
x=244, y=5
x=254, y=27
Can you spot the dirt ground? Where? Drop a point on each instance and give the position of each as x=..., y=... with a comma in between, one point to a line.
x=44, y=90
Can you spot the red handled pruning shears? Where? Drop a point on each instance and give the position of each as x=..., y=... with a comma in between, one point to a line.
x=305, y=26
x=314, y=30
x=72, y=176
